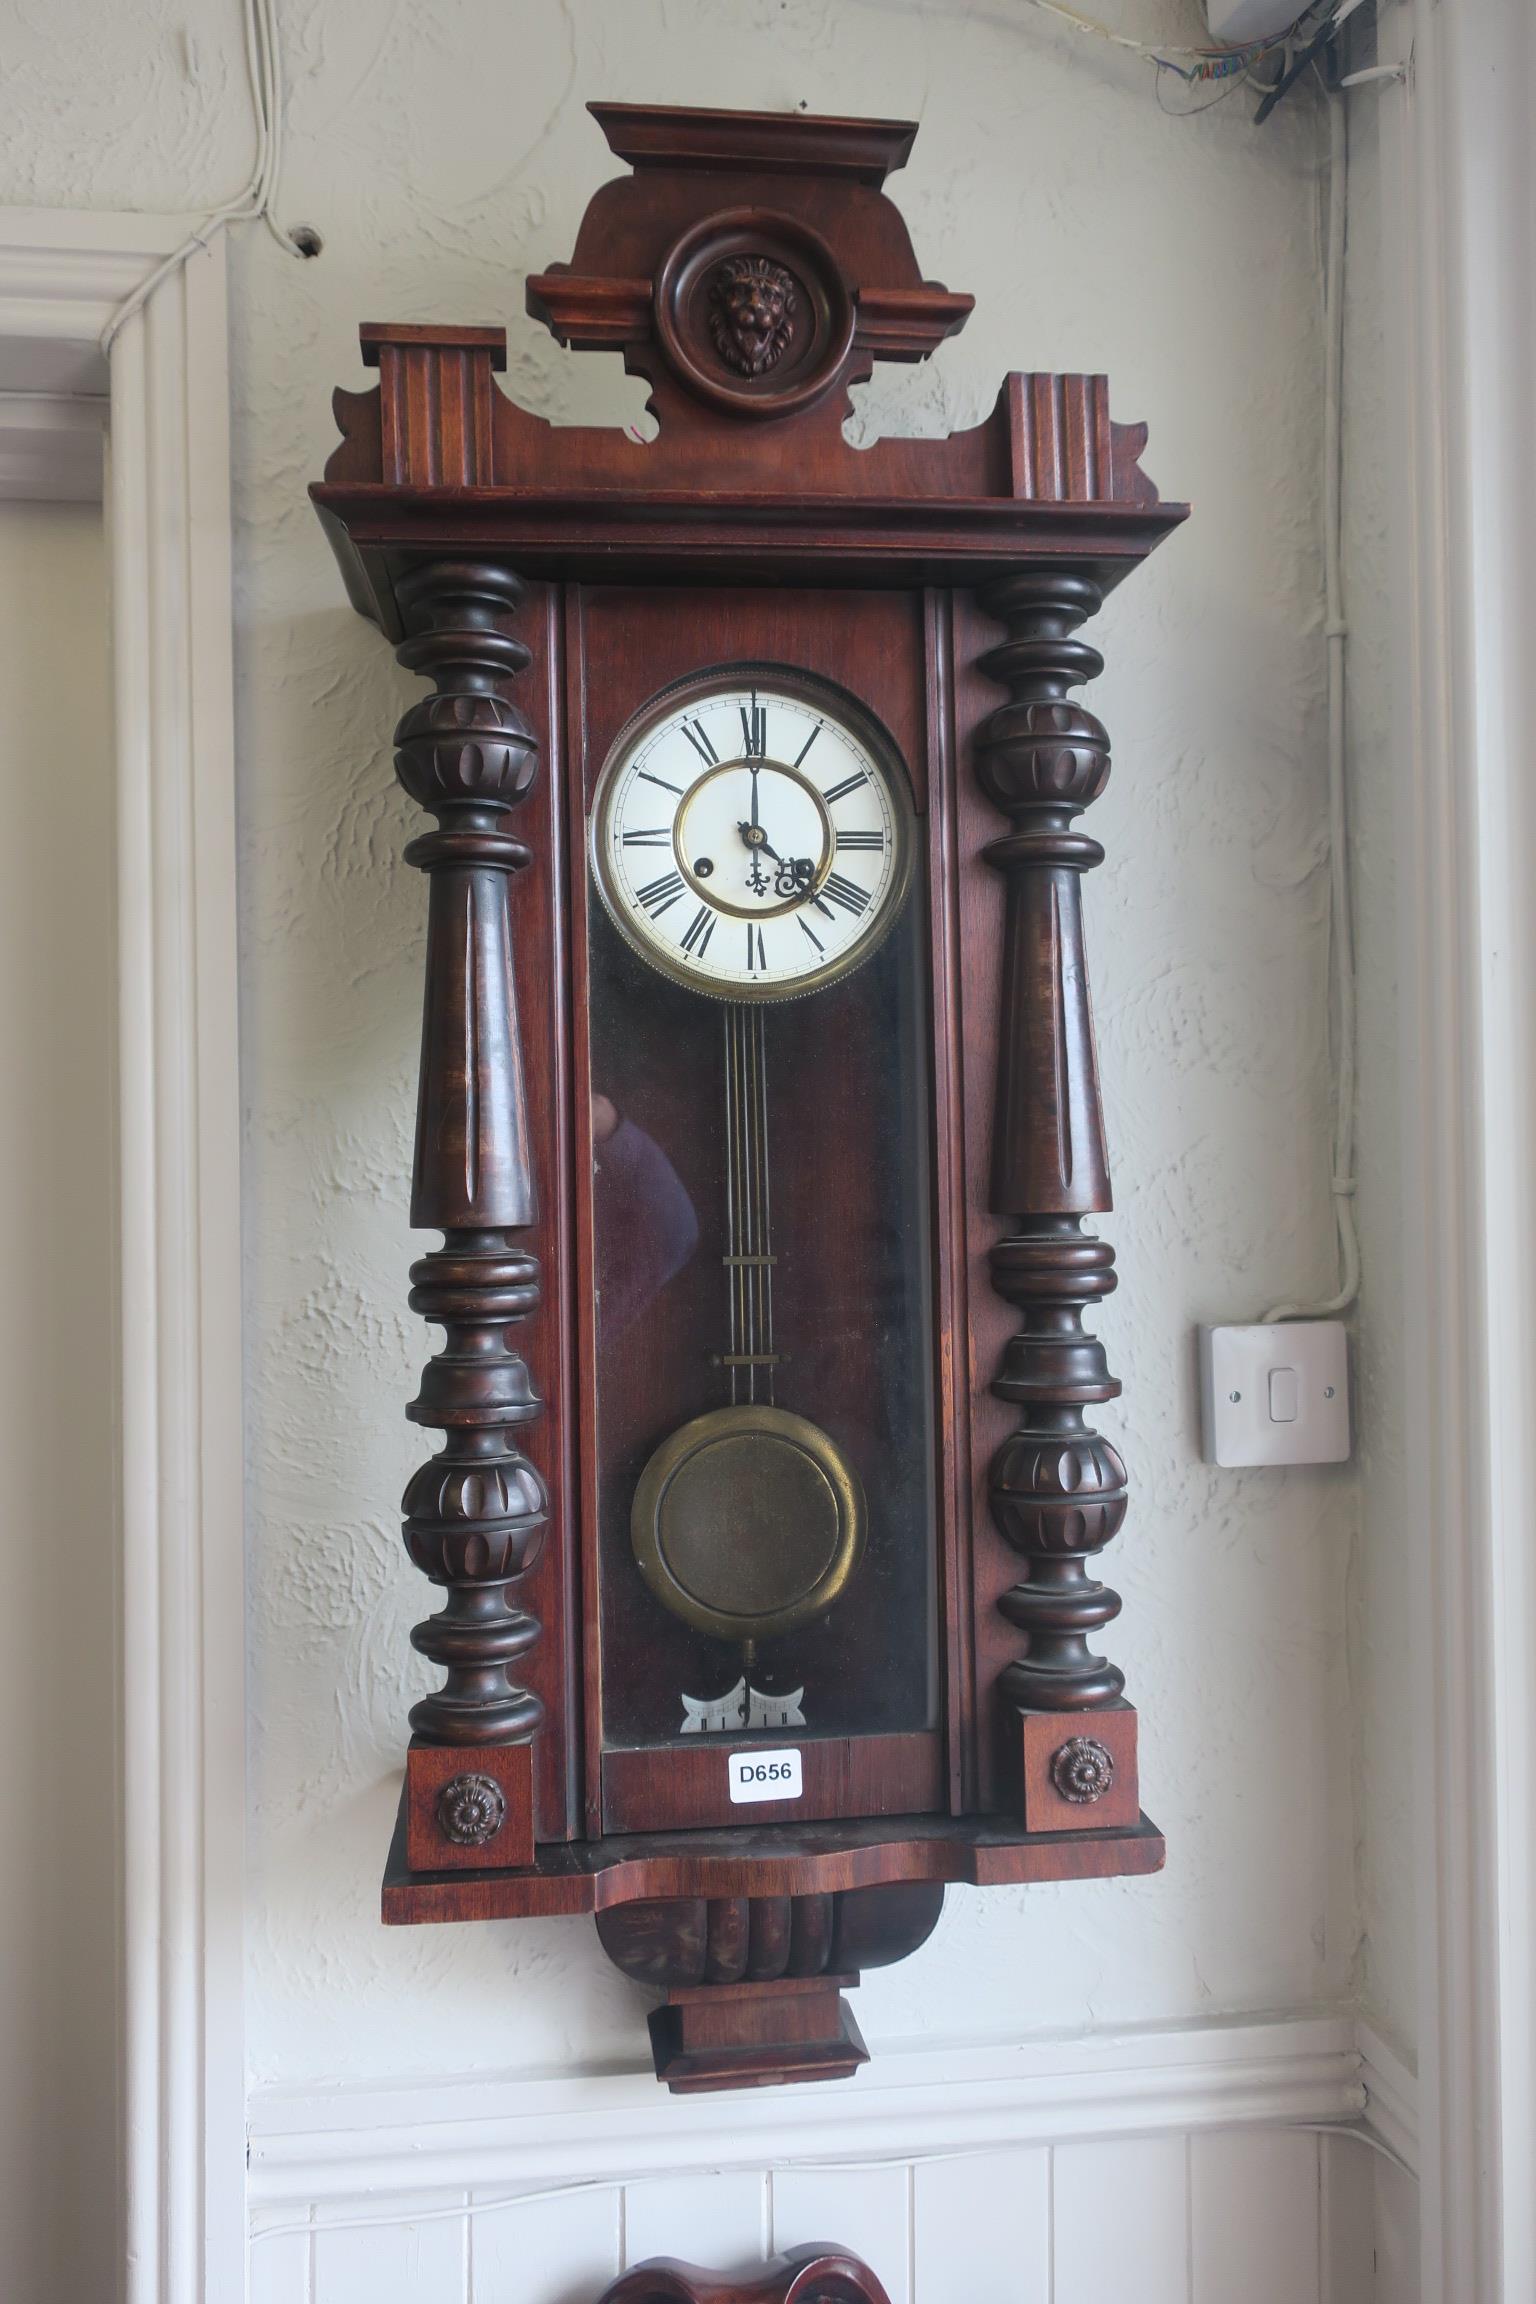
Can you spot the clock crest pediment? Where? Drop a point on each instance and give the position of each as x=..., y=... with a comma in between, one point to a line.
x=752, y=267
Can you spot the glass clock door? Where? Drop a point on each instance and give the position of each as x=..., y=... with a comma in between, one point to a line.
x=761, y=1237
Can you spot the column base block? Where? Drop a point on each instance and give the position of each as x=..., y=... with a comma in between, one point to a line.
x=1077, y=1770
x=468, y=1808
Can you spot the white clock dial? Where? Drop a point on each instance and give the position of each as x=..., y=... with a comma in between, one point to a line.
x=751, y=839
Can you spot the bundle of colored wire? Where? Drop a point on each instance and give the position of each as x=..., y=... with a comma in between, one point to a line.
x=1198, y=64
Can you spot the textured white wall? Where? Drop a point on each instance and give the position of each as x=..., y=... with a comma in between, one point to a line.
x=443, y=152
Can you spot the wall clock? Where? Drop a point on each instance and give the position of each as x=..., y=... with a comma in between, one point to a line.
x=759, y=1116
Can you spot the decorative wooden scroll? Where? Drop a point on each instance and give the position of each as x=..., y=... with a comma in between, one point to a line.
x=475, y=1515
x=819, y=2273
x=754, y=1984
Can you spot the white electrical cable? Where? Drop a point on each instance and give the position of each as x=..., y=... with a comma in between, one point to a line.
x=502, y=2203
x=263, y=66
x=1341, y=934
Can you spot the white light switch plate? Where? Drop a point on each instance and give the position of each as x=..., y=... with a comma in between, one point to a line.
x=1276, y=1393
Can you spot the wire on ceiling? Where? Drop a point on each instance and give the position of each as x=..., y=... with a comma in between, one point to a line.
x=263, y=65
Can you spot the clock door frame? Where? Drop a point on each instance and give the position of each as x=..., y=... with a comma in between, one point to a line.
x=644, y=640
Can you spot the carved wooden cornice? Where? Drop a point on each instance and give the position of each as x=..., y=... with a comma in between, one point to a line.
x=752, y=269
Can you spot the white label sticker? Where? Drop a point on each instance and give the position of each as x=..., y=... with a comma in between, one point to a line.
x=764, y=1776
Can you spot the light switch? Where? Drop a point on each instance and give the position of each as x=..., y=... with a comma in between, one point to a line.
x=1276, y=1392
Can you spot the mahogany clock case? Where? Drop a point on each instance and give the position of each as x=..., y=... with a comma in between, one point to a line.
x=931, y=1118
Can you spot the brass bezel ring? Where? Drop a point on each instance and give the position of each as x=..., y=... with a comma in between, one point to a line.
x=704, y=888
x=679, y=1449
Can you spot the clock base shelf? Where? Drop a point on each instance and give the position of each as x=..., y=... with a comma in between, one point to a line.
x=749, y=1861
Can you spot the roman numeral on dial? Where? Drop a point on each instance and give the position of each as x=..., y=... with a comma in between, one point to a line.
x=694, y=731
x=754, y=730
x=844, y=892
x=699, y=931
x=756, y=957
x=661, y=894
x=658, y=836
x=872, y=843
x=848, y=784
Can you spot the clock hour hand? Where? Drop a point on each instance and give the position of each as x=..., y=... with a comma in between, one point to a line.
x=794, y=875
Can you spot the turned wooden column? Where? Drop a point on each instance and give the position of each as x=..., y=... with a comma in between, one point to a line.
x=1056, y=1486
x=475, y=1515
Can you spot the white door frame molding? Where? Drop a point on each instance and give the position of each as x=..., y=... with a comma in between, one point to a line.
x=62, y=275
x=1460, y=193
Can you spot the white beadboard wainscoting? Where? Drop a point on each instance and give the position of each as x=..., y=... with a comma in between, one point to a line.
x=1174, y=2167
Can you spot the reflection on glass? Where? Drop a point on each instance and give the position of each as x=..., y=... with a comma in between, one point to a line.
x=764, y=1350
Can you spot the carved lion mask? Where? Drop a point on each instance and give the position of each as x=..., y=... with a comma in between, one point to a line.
x=751, y=313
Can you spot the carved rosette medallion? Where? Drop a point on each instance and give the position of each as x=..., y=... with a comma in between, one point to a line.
x=753, y=313
x=1082, y=1770
x=471, y=1810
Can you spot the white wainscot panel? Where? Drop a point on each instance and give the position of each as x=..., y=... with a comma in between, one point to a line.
x=559, y=2251
x=866, y=2210
x=981, y=2228
x=1265, y=2215
x=1396, y=2203
x=1347, y=2202
x=1120, y=2217
x=280, y=2270
x=709, y=2216
x=1254, y=2219
x=421, y=2260
x=1166, y=2168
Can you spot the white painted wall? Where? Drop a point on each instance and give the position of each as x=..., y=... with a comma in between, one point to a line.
x=443, y=152
x=58, y=1908
x=1179, y=256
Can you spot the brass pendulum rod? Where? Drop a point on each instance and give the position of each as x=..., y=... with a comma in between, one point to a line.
x=769, y=1354
x=749, y=1251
